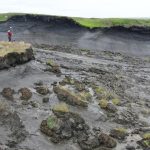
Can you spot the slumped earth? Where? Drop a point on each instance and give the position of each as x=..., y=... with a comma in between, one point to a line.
x=70, y=98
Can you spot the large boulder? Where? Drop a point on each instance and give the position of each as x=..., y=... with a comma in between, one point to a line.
x=13, y=53
x=69, y=97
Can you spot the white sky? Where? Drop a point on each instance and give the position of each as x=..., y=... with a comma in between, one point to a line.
x=80, y=8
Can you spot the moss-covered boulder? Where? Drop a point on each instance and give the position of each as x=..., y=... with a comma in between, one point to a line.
x=63, y=127
x=107, y=141
x=67, y=80
x=26, y=94
x=69, y=97
x=60, y=109
x=13, y=53
x=119, y=133
x=8, y=93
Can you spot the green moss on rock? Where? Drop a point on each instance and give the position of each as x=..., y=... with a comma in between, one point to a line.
x=69, y=97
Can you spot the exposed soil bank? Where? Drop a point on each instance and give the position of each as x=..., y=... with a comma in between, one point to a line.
x=63, y=31
x=14, y=58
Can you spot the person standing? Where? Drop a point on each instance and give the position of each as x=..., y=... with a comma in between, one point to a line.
x=9, y=34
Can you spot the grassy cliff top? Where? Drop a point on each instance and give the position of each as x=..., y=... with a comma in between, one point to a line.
x=10, y=47
x=94, y=22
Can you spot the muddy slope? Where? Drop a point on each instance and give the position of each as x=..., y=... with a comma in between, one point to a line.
x=63, y=31
x=127, y=77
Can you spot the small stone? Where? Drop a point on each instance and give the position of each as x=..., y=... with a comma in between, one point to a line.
x=45, y=99
x=129, y=147
x=43, y=90
x=34, y=104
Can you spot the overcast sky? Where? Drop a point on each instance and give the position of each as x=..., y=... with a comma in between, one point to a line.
x=80, y=8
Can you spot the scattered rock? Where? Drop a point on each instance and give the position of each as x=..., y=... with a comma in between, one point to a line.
x=43, y=90
x=8, y=93
x=107, y=141
x=26, y=94
x=45, y=99
x=69, y=97
x=34, y=104
x=130, y=147
x=111, y=108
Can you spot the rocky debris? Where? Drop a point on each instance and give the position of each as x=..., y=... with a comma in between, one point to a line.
x=53, y=67
x=100, y=142
x=127, y=117
x=45, y=99
x=15, y=58
x=26, y=93
x=64, y=125
x=69, y=97
x=8, y=93
x=43, y=90
x=119, y=133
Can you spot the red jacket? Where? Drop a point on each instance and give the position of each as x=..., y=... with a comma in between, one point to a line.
x=9, y=33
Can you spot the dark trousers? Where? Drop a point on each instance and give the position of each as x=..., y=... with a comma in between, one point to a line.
x=9, y=38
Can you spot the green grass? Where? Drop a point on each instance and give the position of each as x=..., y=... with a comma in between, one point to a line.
x=51, y=122
x=10, y=47
x=110, y=22
x=94, y=22
x=6, y=16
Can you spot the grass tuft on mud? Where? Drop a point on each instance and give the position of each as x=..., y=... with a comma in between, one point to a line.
x=61, y=107
x=11, y=47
